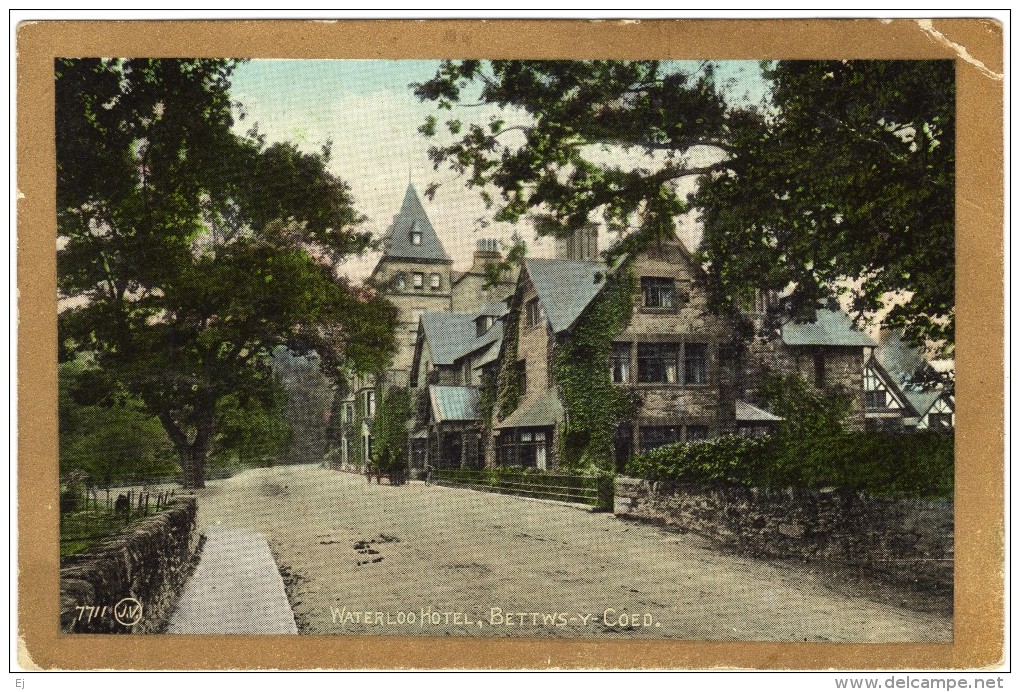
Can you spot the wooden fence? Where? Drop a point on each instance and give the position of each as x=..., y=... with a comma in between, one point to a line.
x=596, y=491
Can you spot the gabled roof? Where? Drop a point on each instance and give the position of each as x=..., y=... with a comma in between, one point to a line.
x=545, y=410
x=412, y=217
x=564, y=287
x=922, y=401
x=747, y=413
x=894, y=387
x=451, y=335
x=453, y=403
x=830, y=328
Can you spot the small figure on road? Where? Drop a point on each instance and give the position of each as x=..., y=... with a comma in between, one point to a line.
x=122, y=507
x=428, y=472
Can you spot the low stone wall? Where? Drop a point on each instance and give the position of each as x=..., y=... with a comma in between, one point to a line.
x=900, y=540
x=130, y=582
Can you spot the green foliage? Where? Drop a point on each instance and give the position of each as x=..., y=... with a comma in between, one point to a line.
x=843, y=182
x=487, y=397
x=104, y=434
x=594, y=406
x=495, y=272
x=723, y=460
x=81, y=530
x=352, y=430
x=812, y=448
x=508, y=386
x=389, y=430
x=570, y=106
x=189, y=254
x=850, y=173
x=333, y=457
x=917, y=464
x=249, y=434
x=307, y=397
x=806, y=411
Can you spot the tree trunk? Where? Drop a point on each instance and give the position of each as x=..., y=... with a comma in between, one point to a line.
x=193, y=463
x=192, y=454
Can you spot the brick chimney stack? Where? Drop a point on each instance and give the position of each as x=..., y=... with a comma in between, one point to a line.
x=486, y=252
x=582, y=244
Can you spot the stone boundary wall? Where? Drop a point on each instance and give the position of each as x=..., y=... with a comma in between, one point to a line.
x=130, y=582
x=905, y=541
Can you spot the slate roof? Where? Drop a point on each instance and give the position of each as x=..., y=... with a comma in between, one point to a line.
x=453, y=403
x=397, y=242
x=922, y=401
x=545, y=410
x=451, y=335
x=491, y=354
x=746, y=413
x=830, y=328
x=564, y=287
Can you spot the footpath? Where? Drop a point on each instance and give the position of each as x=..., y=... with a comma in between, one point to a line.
x=236, y=589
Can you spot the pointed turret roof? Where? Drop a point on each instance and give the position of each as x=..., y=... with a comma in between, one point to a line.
x=408, y=223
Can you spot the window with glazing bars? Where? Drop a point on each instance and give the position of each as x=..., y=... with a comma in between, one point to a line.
x=534, y=314
x=658, y=292
x=875, y=393
x=659, y=363
x=695, y=363
x=655, y=436
x=620, y=362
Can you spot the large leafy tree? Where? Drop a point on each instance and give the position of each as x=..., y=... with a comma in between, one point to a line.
x=841, y=182
x=557, y=124
x=845, y=185
x=187, y=253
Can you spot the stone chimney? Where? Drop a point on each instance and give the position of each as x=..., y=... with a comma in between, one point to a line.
x=582, y=244
x=486, y=252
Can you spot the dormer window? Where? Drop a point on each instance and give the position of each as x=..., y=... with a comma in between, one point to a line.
x=483, y=324
x=533, y=313
x=658, y=292
x=415, y=237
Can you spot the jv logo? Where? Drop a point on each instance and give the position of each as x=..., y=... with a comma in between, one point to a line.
x=128, y=611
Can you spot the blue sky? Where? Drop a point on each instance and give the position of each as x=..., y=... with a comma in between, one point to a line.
x=368, y=112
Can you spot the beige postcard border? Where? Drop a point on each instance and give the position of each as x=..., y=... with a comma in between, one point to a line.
x=977, y=47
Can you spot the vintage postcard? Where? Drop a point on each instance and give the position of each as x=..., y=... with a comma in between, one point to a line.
x=510, y=344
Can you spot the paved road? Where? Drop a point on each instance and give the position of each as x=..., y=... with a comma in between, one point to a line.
x=416, y=559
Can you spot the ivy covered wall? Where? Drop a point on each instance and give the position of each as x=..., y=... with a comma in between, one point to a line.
x=508, y=392
x=593, y=405
x=389, y=429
